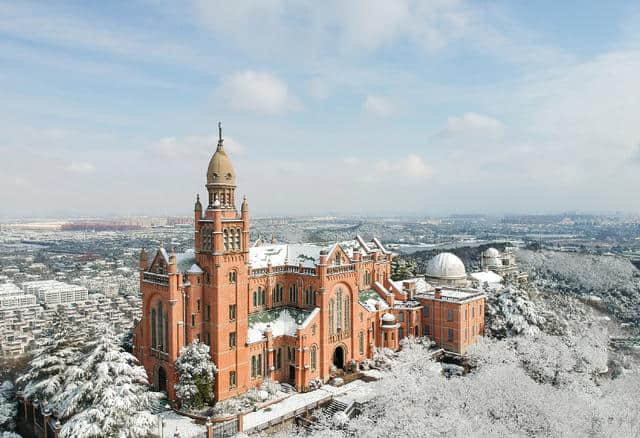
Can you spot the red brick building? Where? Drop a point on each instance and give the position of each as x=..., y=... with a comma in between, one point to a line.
x=288, y=312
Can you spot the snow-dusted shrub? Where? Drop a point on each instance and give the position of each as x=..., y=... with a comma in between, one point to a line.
x=383, y=358
x=196, y=376
x=107, y=394
x=271, y=386
x=8, y=407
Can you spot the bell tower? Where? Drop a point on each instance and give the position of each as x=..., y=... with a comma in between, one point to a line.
x=222, y=252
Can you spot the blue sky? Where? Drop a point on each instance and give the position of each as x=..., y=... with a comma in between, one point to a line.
x=375, y=107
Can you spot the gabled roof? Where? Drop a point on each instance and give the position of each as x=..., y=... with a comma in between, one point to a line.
x=307, y=253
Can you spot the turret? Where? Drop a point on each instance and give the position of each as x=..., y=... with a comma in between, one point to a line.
x=173, y=266
x=245, y=224
x=197, y=209
x=144, y=260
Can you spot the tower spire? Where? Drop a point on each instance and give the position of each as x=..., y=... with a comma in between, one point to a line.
x=220, y=132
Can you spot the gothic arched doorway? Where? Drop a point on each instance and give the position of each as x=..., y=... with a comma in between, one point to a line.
x=338, y=357
x=162, y=379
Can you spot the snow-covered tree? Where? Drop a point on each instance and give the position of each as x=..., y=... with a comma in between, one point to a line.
x=107, y=394
x=58, y=350
x=611, y=278
x=196, y=376
x=8, y=407
x=403, y=268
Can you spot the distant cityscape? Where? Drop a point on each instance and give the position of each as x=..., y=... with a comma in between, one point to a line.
x=88, y=268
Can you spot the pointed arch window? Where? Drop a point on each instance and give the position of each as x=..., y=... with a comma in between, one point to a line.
x=309, y=296
x=331, y=316
x=347, y=313
x=207, y=238
x=314, y=357
x=154, y=340
x=339, y=310
x=225, y=239
x=277, y=293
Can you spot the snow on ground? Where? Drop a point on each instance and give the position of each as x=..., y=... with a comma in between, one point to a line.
x=173, y=422
x=352, y=391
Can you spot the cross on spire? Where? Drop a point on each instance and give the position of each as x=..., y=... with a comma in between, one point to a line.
x=220, y=131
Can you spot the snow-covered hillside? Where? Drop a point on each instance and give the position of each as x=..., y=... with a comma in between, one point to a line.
x=614, y=279
x=545, y=368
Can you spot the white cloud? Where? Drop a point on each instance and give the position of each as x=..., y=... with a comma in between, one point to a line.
x=409, y=168
x=351, y=161
x=81, y=167
x=379, y=106
x=473, y=124
x=195, y=147
x=259, y=92
x=318, y=89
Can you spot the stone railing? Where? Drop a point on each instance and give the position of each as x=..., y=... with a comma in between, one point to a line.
x=294, y=269
x=332, y=270
x=150, y=277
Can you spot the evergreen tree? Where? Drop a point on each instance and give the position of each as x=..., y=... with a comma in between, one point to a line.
x=107, y=394
x=59, y=350
x=401, y=269
x=8, y=407
x=196, y=370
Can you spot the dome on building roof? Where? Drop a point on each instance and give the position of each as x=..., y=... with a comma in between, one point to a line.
x=492, y=253
x=220, y=169
x=446, y=266
x=388, y=319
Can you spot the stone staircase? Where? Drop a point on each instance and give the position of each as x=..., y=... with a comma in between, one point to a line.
x=335, y=406
x=287, y=389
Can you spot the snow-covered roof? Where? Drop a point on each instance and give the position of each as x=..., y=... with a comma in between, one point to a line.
x=486, y=277
x=306, y=253
x=453, y=294
x=186, y=261
x=282, y=321
x=285, y=254
x=421, y=284
x=369, y=298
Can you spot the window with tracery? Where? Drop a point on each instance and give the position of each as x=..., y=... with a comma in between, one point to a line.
x=339, y=310
x=277, y=293
x=347, y=314
x=207, y=238
x=331, y=318
x=237, y=243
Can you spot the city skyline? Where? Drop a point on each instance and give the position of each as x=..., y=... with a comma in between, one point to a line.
x=401, y=108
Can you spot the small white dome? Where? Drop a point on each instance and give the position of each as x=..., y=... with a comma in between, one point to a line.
x=388, y=319
x=492, y=253
x=446, y=266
